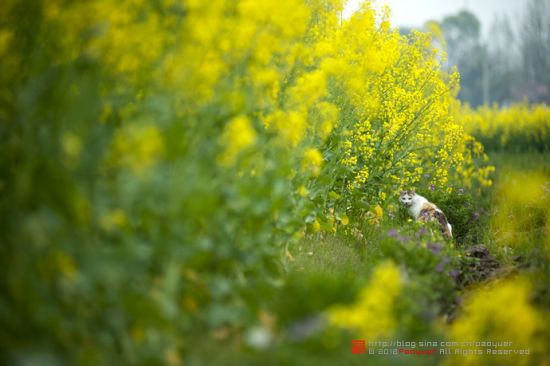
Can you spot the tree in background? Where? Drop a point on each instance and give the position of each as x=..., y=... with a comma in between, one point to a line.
x=535, y=49
x=504, y=63
x=465, y=50
x=512, y=64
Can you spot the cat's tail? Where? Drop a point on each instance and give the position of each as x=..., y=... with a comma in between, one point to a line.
x=446, y=228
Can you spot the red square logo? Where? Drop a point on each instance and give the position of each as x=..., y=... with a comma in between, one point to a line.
x=358, y=346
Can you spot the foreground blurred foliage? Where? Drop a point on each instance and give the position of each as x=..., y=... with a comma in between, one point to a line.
x=162, y=162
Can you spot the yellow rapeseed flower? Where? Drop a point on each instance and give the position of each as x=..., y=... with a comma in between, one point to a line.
x=113, y=219
x=237, y=136
x=137, y=146
x=507, y=317
x=371, y=316
x=312, y=161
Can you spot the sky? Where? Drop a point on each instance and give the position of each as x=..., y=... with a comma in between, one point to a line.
x=417, y=12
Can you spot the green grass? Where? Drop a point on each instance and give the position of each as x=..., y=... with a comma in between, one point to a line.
x=524, y=246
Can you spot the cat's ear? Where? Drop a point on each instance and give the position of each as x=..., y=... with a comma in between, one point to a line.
x=413, y=191
x=401, y=192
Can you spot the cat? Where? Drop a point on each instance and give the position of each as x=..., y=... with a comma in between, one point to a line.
x=423, y=210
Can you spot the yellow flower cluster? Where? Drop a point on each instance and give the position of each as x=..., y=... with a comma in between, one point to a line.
x=137, y=147
x=507, y=317
x=113, y=219
x=371, y=316
x=401, y=121
x=377, y=102
x=518, y=127
x=313, y=160
x=237, y=135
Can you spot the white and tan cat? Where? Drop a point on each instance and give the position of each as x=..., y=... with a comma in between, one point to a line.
x=423, y=210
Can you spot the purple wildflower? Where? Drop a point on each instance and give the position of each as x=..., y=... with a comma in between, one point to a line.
x=432, y=187
x=403, y=238
x=434, y=247
x=454, y=273
x=392, y=233
x=441, y=266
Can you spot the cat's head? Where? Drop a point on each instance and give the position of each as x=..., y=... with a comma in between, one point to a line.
x=406, y=197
